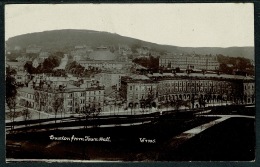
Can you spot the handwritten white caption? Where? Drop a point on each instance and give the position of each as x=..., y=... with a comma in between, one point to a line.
x=82, y=139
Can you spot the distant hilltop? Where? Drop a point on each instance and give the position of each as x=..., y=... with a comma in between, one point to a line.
x=69, y=38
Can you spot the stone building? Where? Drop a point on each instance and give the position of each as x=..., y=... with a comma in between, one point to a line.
x=74, y=99
x=26, y=97
x=249, y=91
x=192, y=87
x=138, y=90
x=194, y=61
x=103, y=59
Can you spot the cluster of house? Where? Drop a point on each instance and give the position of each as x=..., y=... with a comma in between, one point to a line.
x=137, y=90
x=81, y=94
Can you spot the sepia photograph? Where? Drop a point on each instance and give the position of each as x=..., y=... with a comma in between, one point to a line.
x=130, y=82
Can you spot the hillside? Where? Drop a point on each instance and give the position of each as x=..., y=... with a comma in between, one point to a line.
x=67, y=39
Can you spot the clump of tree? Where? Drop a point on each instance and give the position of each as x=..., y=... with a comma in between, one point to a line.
x=47, y=66
x=51, y=62
x=59, y=73
x=11, y=92
x=230, y=64
x=29, y=68
x=151, y=62
x=74, y=68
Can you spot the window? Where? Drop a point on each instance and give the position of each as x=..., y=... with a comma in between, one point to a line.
x=70, y=102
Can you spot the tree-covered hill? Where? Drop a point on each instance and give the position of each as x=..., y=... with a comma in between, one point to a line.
x=64, y=40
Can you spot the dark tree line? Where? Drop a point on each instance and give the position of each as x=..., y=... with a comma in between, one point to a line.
x=11, y=92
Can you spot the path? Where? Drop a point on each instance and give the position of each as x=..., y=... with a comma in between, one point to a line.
x=183, y=137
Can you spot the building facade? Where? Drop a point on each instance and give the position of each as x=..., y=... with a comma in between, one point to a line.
x=190, y=88
x=110, y=79
x=22, y=78
x=18, y=66
x=202, y=62
x=249, y=92
x=105, y=65
x=74, y=99
x=138, y=91
x=26, y=97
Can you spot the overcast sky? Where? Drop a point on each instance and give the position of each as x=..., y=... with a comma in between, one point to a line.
x=191, y=25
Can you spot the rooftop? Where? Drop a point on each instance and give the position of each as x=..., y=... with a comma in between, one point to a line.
x=26, y=90
x=136, y=78
x=221, y=76
x=102, y=61
x=102, y=54
x=15, y=63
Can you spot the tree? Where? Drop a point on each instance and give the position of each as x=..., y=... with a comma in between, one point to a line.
x=76, y=69
x=37, y=99
x=202, y=102
x=177, y=104
x=29, y=68
x=86, y=112
x=96, y=111
x=11, y=103
x=11, y=92
x=151, y=62
x=26, y=115
x=57, y=103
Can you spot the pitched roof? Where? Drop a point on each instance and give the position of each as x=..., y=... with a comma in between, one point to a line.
x=26, y=90
x=15, y=63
